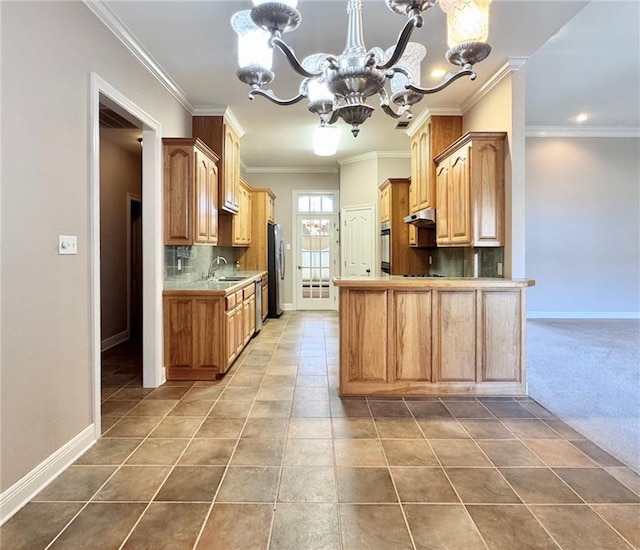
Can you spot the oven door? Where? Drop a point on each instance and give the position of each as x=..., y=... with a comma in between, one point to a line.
x=385, y=248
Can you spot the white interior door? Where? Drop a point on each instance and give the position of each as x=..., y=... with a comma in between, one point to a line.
x=359, y=239
x=315, y=251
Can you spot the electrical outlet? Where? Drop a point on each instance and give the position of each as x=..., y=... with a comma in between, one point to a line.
x=430, y=260
x=179, y=264
x=499, y=268
x=67, y=244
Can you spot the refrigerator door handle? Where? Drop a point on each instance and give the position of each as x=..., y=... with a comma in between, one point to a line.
x=282, y=260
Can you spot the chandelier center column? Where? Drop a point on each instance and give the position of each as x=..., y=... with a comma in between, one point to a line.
x=355, y=39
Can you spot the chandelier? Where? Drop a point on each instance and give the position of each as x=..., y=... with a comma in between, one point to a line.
x=338, y=86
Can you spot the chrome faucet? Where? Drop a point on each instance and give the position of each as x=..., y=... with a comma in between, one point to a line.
x=214, y=266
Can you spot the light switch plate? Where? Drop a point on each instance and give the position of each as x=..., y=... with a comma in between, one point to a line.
x=67, y=244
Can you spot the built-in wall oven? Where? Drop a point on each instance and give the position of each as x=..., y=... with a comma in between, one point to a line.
x=385, y=247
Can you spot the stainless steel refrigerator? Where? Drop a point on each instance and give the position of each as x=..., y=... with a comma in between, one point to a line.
x=276, y=268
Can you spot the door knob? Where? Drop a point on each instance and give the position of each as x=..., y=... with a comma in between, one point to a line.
x=368, y=271
x=299, y=267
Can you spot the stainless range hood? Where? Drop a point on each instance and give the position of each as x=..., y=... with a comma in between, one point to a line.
x=422, y=218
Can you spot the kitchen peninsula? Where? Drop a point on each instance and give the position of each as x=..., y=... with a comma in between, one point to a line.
x=422, y=336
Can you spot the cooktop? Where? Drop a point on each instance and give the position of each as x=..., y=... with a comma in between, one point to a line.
x=421, y=275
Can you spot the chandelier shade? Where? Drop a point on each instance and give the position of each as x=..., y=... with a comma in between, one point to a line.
x=325, y=140
x=338, y=86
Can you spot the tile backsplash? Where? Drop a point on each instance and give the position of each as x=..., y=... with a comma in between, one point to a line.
x=459, y=262
x=192, y=262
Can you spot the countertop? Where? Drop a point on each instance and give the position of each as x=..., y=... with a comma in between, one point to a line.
x=214, y=287
x=398, y=281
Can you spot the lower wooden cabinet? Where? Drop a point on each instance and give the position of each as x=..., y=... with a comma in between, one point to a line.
x=204, y=334
x=396, y=342
x=265, y=297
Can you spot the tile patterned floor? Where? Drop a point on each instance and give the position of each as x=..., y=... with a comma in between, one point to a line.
x=271, y=457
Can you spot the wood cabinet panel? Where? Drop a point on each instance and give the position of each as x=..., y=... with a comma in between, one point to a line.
x=455, y=336
x=410, y=350
x=488, y=174
x=502, y=329
x=255, y=257
x=459, y=199
x=236, y=230
x=366, y=323
x=206, y=328
x=385, y=203
x=178, y=339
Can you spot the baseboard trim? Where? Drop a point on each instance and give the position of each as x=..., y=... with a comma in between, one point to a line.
x=583, y=315
x=114, y=340
x=21, y=492
x=288, y=307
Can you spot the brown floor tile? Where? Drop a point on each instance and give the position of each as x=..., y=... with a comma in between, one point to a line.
x=359, y=452
x=191, y=484
x=531, y=429
x=428, y=409
x=408, y=452
x=509, y=527
x=423, y=485
x=354, y=428
x=627, y=477
x=346, y=407
x=208, y=452
x=624, y=518
x=578, y=527
x=459, y=453
x=191, y=408
x=36, y=525
x=271, y=409
x=566, y=431
x=249, y=484
x=481, y=486
x=107, y=522
x=595, y=485
x=172, y=525
x=442, y=527
x=110, y=451
x=153, y=407
x=373, y=527
x=266, y=428
x=398, y=428
x=467, y=409
x=237, y=527
x=442, y=428
x=559, y=453
x=275, y=394
x=309, y=452
x=107, y=422
x=310, y=428
x=77, y=483
x=117, y=408
x=131, y=394
x=540, y=486
x=169, y=392
x=510, y=454
x=307, y=484
x=246, y=379
x=596, y=454
x=134, y=426
x=278, y=380
x=389, y=409
x=133, y=483
x=507, y=409
x=231, y=409
x=305, y=525
x=177, y=427
x=238, y=393
x=158, y=452
x=311, y=409
x=536, y=409
x=486, y=429
x=365, y=485
x=258, y=452
x=311, y=381
x=203, y=393
x=311, y=393
x=223, y=428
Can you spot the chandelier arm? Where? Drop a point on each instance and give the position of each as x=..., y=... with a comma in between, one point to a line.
x=401, y=43
x=272, y=97
x=291, y=57
x=451, y=78
x=385, y=107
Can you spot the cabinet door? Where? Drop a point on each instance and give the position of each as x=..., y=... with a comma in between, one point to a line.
x=501, y=334
x=455, y=336
x=442, y=213
x=410, y=338
x=178, y=333
x=265, y=299
x=270, y=208
x=178, y=195
x=459, y=203
x=232, y=347
x=207, y=313
x=239, y=326
x=416, y=174
x=425, y=192
x=212, y=184
x=202, y=198
x=232, y=170
x=487, y=176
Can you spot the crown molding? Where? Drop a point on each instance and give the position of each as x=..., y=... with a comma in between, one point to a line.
x=512, y=65
x=583, y=132
x=291, y=170
x=427, y=113
x=111, y=21
x=376, y=155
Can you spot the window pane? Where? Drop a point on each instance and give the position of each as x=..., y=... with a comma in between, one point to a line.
x=303, y=204
x=316, y=205
x=327, y=203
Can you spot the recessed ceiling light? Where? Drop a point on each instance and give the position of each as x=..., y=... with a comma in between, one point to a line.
x=438, y=73
x=582, y=117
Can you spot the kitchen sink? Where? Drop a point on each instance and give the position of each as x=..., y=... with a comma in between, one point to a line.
x=234, y=278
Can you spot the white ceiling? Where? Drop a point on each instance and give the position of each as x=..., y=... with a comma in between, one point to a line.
x=579, y=51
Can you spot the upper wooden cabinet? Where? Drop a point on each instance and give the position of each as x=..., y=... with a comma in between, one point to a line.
x=255, y=258
x=236, y=230
x=470, y=190
x=190, y=192
x=218, y=134
x=433, y=137
x=385, y=202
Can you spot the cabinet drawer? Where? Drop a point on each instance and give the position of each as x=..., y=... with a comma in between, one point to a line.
x=238, y=297
x=231, y=301
x=249, y=290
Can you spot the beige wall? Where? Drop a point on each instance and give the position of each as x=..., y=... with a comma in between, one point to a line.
x=283, y=185
x=49, y=50
x=502, y=110
x=583, y=241
x=120, y=173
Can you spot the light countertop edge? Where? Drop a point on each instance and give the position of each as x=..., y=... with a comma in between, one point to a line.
x=213, y=288
x=397, y=281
